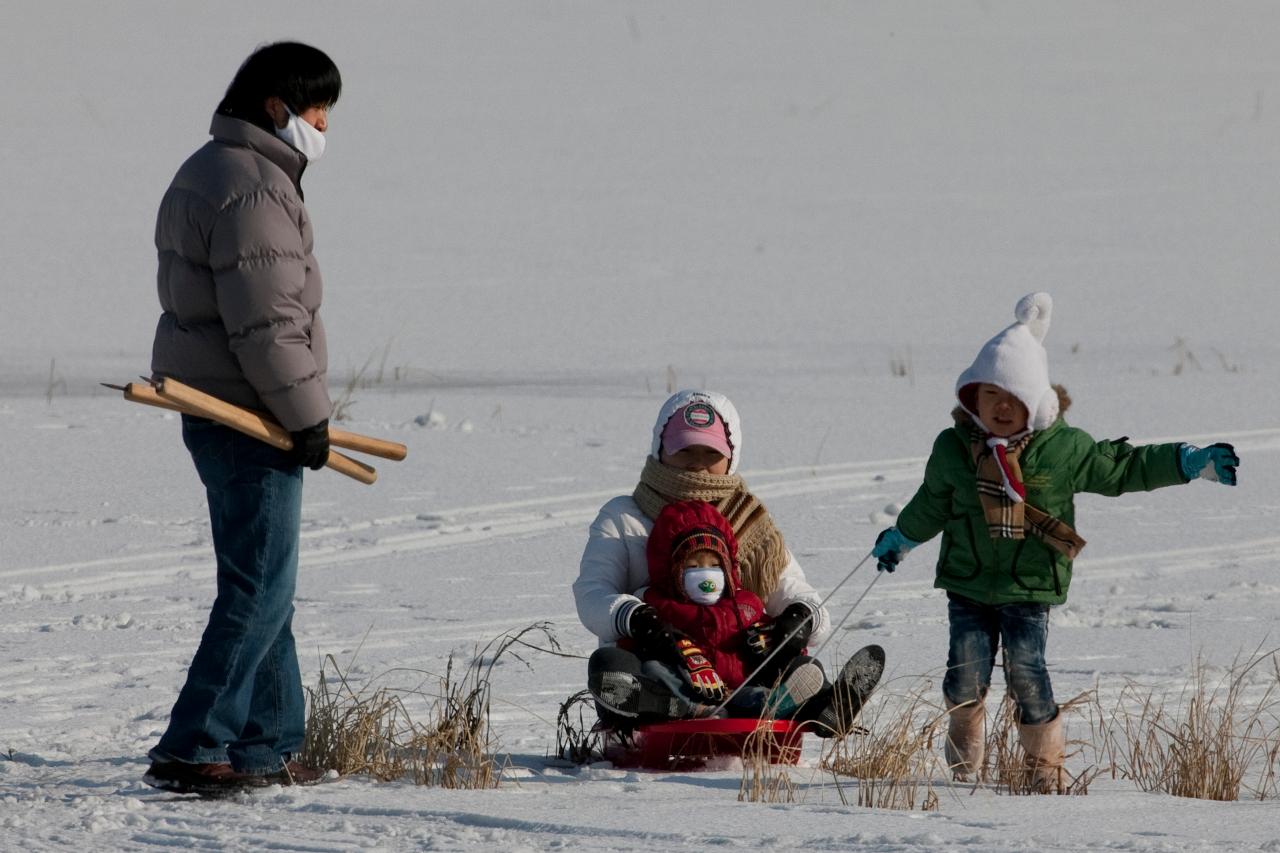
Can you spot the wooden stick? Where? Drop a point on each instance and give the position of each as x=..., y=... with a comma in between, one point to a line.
x=392, y=450
x=192, y=402
x=146, y=394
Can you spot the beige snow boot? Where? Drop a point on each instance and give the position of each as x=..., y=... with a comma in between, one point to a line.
x=1045, y=746
x=966, y=740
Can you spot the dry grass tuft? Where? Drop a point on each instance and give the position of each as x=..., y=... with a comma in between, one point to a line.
x=894, y=757
x=1205, y=743
x=372, y=731
x=764, y=781
x=576, y=740
x=1219, y=739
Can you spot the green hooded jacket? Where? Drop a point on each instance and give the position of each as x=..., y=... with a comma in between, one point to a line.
x=1057, y=463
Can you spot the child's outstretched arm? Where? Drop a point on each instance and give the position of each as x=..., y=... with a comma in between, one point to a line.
x=1116, y=467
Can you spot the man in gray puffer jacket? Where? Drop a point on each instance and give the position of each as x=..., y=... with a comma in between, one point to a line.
x=240, y=293
x=238, y=284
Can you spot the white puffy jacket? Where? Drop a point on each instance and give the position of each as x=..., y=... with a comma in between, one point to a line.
x=614, y=570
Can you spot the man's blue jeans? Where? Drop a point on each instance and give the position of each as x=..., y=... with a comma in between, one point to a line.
x=242, y=701
x=977, y=631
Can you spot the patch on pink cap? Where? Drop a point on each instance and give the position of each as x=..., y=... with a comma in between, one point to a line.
x=696, y=423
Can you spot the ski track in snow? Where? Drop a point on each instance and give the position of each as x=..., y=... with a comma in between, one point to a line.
x=327, y=546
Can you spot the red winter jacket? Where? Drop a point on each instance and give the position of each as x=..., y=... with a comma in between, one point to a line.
x=720, y=629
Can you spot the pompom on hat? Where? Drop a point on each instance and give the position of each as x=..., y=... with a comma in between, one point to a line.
x=1015, y=360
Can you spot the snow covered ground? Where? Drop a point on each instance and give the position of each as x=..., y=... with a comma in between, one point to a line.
x=532, y=218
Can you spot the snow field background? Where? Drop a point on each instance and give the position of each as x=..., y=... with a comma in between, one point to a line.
x=531, y=218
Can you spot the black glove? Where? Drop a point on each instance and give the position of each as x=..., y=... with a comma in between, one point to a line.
x=311, y=446
x=798, y=617
x=651, y=634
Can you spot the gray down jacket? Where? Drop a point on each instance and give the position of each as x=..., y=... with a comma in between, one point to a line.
x=239, y=288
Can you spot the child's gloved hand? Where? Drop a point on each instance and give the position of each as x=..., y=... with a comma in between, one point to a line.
x=1217, y=462
x=759, y=639
x=891, y=547
x=701, y=673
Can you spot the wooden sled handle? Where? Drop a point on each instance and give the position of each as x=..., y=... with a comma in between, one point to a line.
x=392, y=450
x=172, y=394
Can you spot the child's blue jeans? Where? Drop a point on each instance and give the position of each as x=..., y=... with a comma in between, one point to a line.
x=242, y=701
x=977, y=632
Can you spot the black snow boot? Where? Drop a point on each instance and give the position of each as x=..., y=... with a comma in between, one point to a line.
x=859, y=676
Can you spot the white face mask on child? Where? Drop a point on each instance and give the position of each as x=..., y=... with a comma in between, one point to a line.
x=301, y=135
x=704, y=584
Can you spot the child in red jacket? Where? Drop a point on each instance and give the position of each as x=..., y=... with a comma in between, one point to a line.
x=718, y=632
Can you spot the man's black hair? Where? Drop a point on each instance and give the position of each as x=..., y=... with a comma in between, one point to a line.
x=298, y=74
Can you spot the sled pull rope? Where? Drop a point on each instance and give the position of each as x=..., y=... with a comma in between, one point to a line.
x=778, y=646
x=831, y=636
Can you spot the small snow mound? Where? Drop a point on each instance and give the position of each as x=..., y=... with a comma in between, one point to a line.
x=1065, y=617
x=432, y=420
x=886, y=516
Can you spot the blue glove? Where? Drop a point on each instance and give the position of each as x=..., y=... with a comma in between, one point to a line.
x=891, y=547
x=1217, y=462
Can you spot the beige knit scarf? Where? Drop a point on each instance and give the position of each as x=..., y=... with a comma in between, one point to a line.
x=999, y=479
x=762, y=555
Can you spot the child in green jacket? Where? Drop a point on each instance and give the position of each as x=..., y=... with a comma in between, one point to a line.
x=999, y=487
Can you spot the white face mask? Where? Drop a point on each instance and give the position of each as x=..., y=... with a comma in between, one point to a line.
x=704, y=584
x=301, y=135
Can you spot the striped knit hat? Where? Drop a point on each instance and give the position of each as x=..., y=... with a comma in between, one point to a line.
x=681, y=529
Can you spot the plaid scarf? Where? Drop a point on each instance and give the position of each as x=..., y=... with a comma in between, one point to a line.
x=1003, y=496
x=762, y=555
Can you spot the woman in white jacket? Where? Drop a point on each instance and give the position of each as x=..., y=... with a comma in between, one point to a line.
x=696, y=448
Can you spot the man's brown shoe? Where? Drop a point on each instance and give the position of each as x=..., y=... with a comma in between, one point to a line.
x=181, y=777
x=296, y=773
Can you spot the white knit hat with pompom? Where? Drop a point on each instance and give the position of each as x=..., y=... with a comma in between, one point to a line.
x=1016, y=361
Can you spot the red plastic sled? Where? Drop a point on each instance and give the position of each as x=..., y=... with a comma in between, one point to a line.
x=688, y=744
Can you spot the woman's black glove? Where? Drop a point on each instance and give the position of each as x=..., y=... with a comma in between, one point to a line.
x=653, y=637
x=797, y=618
x=311, y=446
